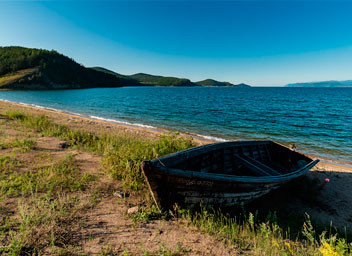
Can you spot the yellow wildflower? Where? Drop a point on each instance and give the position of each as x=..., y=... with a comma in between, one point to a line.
x=275, y=243
x=328, y=250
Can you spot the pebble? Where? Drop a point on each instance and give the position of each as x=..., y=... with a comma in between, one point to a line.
x=133, y=210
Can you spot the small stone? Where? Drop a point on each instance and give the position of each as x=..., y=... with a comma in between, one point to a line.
x=119, y=194
x=64, y=144
x=133, y=210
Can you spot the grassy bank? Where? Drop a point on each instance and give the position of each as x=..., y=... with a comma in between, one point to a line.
x=51, y=199
x=123, y=153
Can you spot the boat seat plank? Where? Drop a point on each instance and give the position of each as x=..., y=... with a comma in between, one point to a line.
x=268, y=153
x=266, y=168
x=252, y=166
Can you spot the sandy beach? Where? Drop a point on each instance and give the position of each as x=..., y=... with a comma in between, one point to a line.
x=335, y=207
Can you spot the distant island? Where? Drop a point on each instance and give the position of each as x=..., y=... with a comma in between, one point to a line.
x=29, y=68
x=347, y=83
x=211, y=82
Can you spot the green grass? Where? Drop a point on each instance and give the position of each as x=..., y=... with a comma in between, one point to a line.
x=123, y=153
x=44, y=221
x=251, y=236
x=16, y=115
x=63, y=175
x=8, y=164
x=4, y=145
x=25, y=145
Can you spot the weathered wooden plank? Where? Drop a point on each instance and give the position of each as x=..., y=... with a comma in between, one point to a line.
x=262, y=166
x=251, y=166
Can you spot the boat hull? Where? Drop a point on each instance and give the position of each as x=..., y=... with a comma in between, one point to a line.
x=191, y=192
x=222, y=174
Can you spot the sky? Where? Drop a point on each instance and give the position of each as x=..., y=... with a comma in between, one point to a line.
x=261, y=43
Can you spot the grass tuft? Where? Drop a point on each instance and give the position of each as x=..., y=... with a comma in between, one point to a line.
x=264, y=237
x=25, y=144
x=44, y=222
x=123, y=161
x=63, y=175
x=16, y=115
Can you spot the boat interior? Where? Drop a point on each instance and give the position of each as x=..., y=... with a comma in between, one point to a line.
x=257, y=158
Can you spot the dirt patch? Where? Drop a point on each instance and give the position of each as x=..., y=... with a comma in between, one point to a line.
x=108, y=225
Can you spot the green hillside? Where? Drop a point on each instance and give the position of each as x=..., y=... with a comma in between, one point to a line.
x=162, y=80
x=212, y=82
x=241, y=85
x=127, y=81
x=25, y=68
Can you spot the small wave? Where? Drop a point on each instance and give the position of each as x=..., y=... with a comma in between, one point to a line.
x=37, y=106
x=123, y=122
x=208, y=137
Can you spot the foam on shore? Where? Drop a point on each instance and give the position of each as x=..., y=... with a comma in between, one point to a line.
x=211, y=138
x=122, y=122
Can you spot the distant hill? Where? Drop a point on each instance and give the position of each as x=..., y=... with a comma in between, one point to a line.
x=105, y=70
x=212, y=82
x=161, y=80
x=242, y=85
x=25, y=68
x=347, y=83
x=127, y=80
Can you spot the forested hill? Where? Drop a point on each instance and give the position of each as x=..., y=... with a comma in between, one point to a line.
x=24, y=68
x=162, y=80
x=211, y=82
x=128, y=81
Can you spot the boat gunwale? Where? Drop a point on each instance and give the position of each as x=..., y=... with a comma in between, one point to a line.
x=158, y=164
x=233, y=178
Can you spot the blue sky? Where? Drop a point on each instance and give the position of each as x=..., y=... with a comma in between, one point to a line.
x=264, y=43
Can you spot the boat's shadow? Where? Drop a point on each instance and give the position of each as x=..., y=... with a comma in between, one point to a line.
x=310, y=195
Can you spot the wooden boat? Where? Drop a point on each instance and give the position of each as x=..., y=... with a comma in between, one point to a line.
x=222, y=174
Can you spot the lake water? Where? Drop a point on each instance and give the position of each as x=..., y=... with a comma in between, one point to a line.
x=317, y=120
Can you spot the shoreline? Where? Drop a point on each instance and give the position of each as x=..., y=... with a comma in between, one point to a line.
x=202, y=139
x=148, y=130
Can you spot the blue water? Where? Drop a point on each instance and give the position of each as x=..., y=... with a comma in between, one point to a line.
x=317, y=120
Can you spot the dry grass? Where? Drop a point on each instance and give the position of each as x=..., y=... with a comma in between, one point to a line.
x=18, y=75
